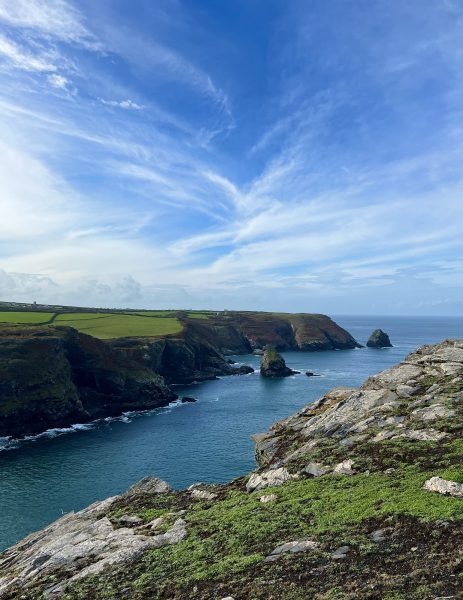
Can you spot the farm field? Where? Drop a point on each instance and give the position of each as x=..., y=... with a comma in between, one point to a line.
x=25, y=317
x=108, y=326
x=100, y=325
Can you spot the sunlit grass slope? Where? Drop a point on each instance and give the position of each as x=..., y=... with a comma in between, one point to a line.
x=25, y=317
x=107, y=326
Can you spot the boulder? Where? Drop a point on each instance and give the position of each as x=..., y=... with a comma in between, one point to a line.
x=270, y=478
x=188, y=399
x=379, y=339
x=444, y=486
x=273, y=364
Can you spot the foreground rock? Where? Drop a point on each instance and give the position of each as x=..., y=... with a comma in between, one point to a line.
x=273, y=364
x=82, y=544
x=379, y=339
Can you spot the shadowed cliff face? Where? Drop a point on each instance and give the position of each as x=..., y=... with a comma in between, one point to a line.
x=55, y=376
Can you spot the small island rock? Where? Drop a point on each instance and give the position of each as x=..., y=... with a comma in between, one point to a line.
x=188, y=399
x=379, y=339
x=273, y=364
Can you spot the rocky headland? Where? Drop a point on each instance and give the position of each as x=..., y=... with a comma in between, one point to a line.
x=357, y=496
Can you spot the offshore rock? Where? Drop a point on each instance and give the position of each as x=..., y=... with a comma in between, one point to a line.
x=273, y=364
x=379, y=339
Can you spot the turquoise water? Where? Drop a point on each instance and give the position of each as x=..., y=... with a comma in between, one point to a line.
x=183, y=443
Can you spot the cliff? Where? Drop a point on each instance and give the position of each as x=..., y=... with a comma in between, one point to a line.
x=55, y=376
x=357, y=496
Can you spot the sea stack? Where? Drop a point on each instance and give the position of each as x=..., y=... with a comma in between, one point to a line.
x=272, y=364
x=379, y=339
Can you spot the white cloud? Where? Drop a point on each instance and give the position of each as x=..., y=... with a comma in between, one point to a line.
x=58, y=81
x=127, y=104
x=23, y=60
x=53, y=18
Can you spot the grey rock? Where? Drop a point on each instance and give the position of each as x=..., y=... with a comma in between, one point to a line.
x=315, y=469
x=270, y=478
x=378, y=536
x=268, y=498
x=431, y=413
x=444, y=486
x=149, y=485
x=423, y=435
x=294, y=547
x=340, y=553
x=198, y=494
x=344, y=468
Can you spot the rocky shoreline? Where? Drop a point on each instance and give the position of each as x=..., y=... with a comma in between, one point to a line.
x=357, y=496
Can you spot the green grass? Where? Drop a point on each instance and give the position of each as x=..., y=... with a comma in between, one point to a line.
x=108, y=326
x=81, y=316
x=25, y=317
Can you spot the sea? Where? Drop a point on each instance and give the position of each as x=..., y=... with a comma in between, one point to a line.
x=63, y=470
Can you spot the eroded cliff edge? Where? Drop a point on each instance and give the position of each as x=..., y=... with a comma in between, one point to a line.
x=358, y=496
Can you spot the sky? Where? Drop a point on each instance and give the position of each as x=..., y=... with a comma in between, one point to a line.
x=241, y=154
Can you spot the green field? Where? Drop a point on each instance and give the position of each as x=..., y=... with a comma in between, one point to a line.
x=107, y=326
x=25, y=317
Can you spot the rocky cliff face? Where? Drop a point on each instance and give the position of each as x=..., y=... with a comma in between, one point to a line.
x=55, y=376
x=358, y=496
x=307, y=332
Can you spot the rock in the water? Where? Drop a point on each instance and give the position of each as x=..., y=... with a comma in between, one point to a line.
x=379, y=339
x=273, y=364
x=188, y=399
x=270, y=478
x=311, y=374
x=444, y=486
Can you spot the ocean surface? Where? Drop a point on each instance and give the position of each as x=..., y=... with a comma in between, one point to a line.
x=209, y=441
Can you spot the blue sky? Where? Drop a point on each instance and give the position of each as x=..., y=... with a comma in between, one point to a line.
x=258, y=154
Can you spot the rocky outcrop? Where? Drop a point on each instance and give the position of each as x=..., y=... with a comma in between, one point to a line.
x=272, y=364
x=412, y=400
x=55, y=376
x=379, y=339
x=83, y=544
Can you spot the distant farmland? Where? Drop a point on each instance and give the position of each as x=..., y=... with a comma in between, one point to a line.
x=103, y=325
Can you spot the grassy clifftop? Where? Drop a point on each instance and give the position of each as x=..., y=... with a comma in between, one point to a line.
x=345, y=505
